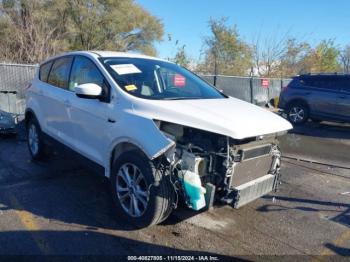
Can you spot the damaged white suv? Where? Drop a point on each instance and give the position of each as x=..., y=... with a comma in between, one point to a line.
x=159, y=133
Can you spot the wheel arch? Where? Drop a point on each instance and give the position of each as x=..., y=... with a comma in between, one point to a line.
x=120, y=148
x=28, y=115
x=298, y=100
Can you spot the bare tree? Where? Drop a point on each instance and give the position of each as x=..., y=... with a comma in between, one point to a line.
x=267, y=53
x=30, y=35
x=345, y=59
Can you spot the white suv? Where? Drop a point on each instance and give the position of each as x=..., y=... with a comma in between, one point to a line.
x=160, y=133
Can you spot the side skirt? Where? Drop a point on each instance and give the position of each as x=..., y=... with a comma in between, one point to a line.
x=54, y=145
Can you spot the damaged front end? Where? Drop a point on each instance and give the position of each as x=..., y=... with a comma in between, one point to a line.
x=206, y=166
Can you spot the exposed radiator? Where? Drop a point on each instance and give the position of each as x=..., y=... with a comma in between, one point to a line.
x=254, y=152
x=251, y=169
x=252, y=190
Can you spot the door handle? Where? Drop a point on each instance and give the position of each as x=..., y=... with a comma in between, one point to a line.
x=110, y=120
x=342, y=97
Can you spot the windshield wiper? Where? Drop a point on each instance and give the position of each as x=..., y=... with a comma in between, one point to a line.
x=181, y=98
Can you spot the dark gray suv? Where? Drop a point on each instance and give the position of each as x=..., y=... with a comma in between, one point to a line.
x=318, y=97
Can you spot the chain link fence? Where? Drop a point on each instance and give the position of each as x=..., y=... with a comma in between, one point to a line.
x=13, y=80
x=15, y=77
x=250, y=89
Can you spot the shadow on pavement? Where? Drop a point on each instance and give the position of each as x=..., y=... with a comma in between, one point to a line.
x=307, y=201
x=338, y=250
x=82, y=243
x=319, y=143
x=343, y=217
x=68, y=194
x=62, y=188
x=323, y=130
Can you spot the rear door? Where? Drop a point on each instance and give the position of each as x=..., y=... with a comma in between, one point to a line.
x=322, y=95
x=344, y=98
x=57, y=99
x=40, y=87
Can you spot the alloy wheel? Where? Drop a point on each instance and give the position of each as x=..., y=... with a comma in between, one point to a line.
x=33, y=139
x=297, y=114
x=132, y=190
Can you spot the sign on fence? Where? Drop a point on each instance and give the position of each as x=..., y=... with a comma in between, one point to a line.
x=265, y=82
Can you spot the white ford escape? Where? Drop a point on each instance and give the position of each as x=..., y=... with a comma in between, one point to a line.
x=160, y=133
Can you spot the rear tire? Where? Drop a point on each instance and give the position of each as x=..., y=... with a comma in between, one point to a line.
x=298, y=113
x=143, y=195
x=35, y=142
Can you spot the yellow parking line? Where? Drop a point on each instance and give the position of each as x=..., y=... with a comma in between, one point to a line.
x=28, y=221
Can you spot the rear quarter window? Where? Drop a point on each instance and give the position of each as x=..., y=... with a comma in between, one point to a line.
x=44, y=71
x=328, y=83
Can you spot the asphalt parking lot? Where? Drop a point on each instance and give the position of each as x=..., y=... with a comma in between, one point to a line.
x=60, y=208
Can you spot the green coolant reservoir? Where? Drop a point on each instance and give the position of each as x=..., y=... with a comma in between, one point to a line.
x=194, y=190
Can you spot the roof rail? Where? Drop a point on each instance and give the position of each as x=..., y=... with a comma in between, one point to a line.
x=325, y=74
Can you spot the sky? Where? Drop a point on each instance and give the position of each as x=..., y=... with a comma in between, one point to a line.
x=307, y=20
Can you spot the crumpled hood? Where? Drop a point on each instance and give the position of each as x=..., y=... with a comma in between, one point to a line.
x=227, y=116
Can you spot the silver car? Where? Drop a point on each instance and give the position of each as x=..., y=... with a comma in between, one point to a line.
x=317, y=97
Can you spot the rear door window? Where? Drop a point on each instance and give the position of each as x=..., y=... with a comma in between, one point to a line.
x=59, y=73
x=44, y=71
x=328, y=83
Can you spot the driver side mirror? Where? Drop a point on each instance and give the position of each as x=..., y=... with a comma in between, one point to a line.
x=89, y=91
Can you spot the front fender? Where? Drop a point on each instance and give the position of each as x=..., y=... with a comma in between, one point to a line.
x=140, y=132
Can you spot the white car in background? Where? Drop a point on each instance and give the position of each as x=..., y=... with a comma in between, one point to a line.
x=159, y=133
x=7, y=123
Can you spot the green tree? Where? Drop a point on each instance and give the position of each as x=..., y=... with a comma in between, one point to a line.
x=224, y=51
x=293, y=60
x=115, y=25
x=181, y=57
x=32, y=30
x=323, y=58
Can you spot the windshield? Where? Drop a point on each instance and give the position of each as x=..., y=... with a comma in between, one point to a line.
x=154, y=79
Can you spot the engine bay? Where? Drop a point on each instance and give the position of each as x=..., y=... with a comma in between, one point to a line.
x=202, y=160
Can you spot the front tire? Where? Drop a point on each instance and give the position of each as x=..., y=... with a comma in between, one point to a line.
x=143, y=195
x=35, y=142
x=298, y=113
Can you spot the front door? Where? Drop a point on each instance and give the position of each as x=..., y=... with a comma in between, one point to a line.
x=89, y=116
